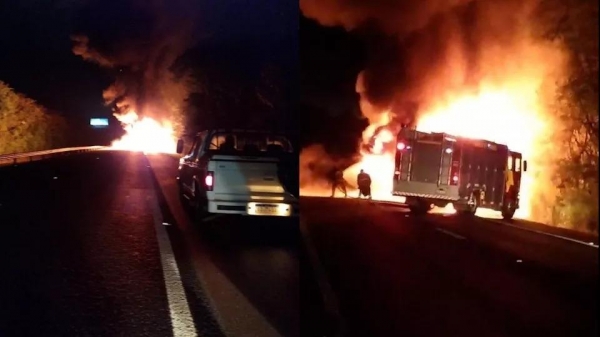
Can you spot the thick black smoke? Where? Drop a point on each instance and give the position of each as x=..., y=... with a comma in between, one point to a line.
x=422, y=48
x=140, y=41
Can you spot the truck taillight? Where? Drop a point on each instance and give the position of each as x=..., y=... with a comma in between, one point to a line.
x=209, y=180
x=401, y=146
x=454, y=172
x=455, y=166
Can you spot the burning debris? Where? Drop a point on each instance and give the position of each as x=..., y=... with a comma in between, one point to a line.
x=469, y=68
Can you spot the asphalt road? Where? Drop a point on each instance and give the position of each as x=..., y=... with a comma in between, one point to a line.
x=393, y=274
x=267, y=276
x=85, y=253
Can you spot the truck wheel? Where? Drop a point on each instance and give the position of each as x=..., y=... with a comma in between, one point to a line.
x=420, y=207
x=508, y=209
x=182, y=198
x=472, y=204
x=441, y=204
x=199, y=204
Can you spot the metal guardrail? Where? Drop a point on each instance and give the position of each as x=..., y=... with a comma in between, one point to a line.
x=17, y=158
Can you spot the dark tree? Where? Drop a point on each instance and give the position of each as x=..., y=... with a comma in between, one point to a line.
x=574, y=23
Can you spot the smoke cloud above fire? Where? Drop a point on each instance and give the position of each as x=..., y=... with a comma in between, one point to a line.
x=140, y=42
x=473, y=68
x=422, y=49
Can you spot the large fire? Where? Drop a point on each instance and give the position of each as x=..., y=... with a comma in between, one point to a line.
x=509, y=112
x=508, y=115
x=145, y=134
x=503, y=115
x=477, y=69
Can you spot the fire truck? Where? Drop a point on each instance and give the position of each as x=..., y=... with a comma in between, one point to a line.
x=435, y=169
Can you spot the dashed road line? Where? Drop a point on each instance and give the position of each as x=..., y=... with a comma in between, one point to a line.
x=181, y=318
x=452, y=234
x=588, y=244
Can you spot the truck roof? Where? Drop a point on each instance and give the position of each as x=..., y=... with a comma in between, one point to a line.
x=472, y=141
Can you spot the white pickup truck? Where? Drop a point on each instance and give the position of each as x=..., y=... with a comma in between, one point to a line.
x=241, y=172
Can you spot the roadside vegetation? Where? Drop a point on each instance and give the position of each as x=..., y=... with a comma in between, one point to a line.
x=27, y=126
x=574, y=24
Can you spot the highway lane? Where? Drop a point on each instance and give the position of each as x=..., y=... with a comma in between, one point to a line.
x=266, y=276
x=81, y=256
x=396, y=274
x=79, y=250
x=259, y=275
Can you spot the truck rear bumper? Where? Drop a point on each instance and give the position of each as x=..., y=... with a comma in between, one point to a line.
x=425, y=190
x=254, y=208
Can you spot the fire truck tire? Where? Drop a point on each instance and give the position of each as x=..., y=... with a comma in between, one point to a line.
x=471, y=207
x=420, y=207
x=508, y=209
x=418, y=210
x=440, y=204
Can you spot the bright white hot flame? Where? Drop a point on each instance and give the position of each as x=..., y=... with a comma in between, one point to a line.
x=146, y=135
x=506, y=116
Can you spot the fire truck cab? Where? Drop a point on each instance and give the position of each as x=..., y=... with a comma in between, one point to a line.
x=434, y=169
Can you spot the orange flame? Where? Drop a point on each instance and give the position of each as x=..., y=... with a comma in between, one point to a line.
x=508, y=107
x=509, y=115
x=145, y=135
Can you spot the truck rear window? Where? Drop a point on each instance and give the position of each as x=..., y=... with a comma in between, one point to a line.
x=249, y=143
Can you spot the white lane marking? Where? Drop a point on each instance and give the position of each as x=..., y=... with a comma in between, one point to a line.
x=589, y=244
x=233, y=311
x=452, y=234
x=329, y=299
x=181, y=317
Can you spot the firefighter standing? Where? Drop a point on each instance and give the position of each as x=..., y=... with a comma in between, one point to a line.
x=364, y=184
x=338, y=182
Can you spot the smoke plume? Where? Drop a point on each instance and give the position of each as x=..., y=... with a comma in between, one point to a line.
x=420, y=48
x=140, y=41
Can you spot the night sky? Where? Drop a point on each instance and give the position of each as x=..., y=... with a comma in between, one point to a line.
x=37, y=60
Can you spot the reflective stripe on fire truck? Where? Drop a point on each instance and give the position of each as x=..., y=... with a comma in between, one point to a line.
x=431, y=196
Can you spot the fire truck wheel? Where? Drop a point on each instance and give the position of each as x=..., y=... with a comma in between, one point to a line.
x=419, y=208
x=508, y=210
x=472, y=204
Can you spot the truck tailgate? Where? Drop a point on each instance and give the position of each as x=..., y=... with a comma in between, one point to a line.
x=245, y=176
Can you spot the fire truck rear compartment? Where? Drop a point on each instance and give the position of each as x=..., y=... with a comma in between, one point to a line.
x=426, y=162
x=483, y=170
